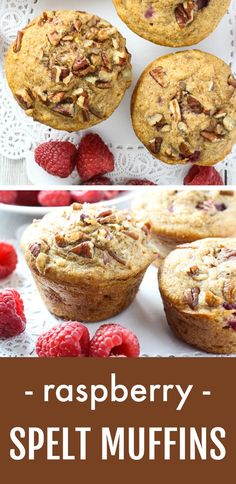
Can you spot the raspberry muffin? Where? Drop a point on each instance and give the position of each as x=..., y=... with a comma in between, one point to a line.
x=198, y=287
x=172, y=22
x=68, y=69
x=184, y=108
x=87, y=261
x=184, y=216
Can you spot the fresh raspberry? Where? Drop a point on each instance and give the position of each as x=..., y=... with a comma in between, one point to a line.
x=65, y=339
x=27, y=198
x=203, y=175
x=56, y=157
x=94, y=157
x=8, y=196
x=54, y=198
x=114, y=340
x=8, y=259
x=99, y=180
x=109, y=194
x=87, y=196
x=134, y=181
x=12, y=317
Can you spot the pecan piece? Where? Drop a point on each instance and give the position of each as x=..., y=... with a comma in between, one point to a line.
x=65, y=109
x=229, y=291
x=231, y=80
x=17, y=44
x=133, y=235
x=105, y=213
x=96, y=112
x=35, y=249
x=85, y=249
x=175, y=110
x=116, y=257
x=184, y=13
x=211, y=299
x=154, y=119
x=25, y=98
x=79, y=64
x=58, y=73
x=194, y=271
x=229, y=123
x=103, y=85
x=211, y=136
x=159, y=75
x=194, y=105
x=54, y=38
x=202, y=4
x=155, y=145
x=109, y=219
x=191, y=297
x=107, y=259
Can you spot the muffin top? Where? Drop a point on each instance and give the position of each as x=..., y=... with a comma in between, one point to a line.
x=172, y=22
x=188, y=215
x=202, y=277
x=88, y=242
x=184, y=108
x=68, y=69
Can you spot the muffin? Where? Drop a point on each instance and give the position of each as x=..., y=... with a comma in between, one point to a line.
x=181, y=216
x=198, y=287
x=184, y=108
x=87, y=261
x=68, y=69
x=171, y=22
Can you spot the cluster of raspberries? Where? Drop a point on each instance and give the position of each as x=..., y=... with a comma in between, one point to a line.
x=71, y=338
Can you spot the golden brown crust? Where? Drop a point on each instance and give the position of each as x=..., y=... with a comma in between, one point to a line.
x=198, y=286
x=88, y=261
x=183, y=108
x=165, y=22
x=68, y=69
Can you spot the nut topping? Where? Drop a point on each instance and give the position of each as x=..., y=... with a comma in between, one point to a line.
x=155, y=145
x=232, y=80
x=85, y=249
x=194, y=105
x=229, y=123
x=54, y=38
x=184, y=13
x=174, y=108
x=194, y=271
x=35, y=249
x=211, y=299
x=80, y=64
x=211, y=136
x=25, y=98
x=160, y=76
x=65, y=109
x=229, y=291
x=191, y=297
x=17, y=44
x=133, y=235
x=116, y=257
x=154, y=119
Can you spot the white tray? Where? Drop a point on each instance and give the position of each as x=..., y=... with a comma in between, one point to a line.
x=19, y=134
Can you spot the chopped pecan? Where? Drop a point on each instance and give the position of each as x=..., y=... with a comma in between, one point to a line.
x=202, y=4
x=194, y=271
x=194, y=105
x=211, y=136
x=184, y=13
x=103, y=84
x=57, y=97
x=185, y=150
x=146, y=228
x=229, y=291
x=155, y=145
x=17, y=44
x=25, y=98
x=77, y=24
x=65, y=109
x=79, y=64
x=58, y=73
x=107, y=259
x=191, y=297
x=232, y=80
x=211, y=299
x=116, y=257
x=154, y=119
x=183, y=127
x=105, y=61
x=96, y=112
x=85, y=249
x=194, y=157
x=227, y=193
x=133, y=235
x=35, y=249
x=43, y=19
x=175, y=110
x=105, y=213
x=160, y=76
x=54, y=37
x=109, y=219
x=229, y=123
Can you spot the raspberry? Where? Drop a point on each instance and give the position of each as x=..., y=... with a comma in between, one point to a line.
x=8, y=196
x=203, y=175
x=87, y=196
x=56, y=157
x=99, y=180
x=109, y=194
x=134, y=181
x=8, y=259
x=27, y=198
x=54, y=198
x=65, y=339
x=12, y=318
x=114, y=340
x=94, y=157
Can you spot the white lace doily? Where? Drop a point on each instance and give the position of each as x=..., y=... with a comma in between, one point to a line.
x=145, y=317
x=18, y=133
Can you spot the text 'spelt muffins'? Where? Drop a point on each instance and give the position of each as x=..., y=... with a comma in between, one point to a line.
x=87, y=261
x=68, y=69
x=180, y=216
x=198, y=287
x=184, y=108
x=172, y=22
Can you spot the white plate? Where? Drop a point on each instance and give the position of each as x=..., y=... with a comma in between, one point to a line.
x=122, y=201
x=132, y=160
